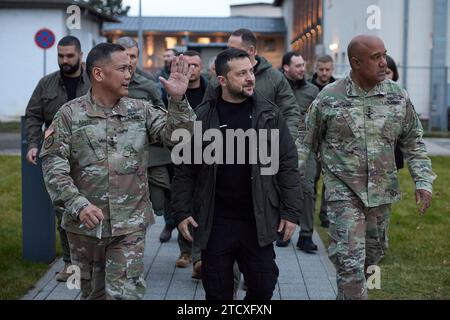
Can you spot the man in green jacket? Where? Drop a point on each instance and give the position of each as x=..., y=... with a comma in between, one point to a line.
x=294, y=70
x=270, y=82
x=52, y=91
x=159, y=160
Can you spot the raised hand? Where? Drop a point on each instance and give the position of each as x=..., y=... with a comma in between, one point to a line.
x=177, y=84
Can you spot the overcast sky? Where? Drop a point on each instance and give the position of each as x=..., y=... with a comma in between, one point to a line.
x=197, y=8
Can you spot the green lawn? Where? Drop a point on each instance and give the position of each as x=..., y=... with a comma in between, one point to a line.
x=417, y=264
x=16, y=276
x=11, y=126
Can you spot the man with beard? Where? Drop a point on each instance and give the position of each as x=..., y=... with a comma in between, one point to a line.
x=168, y=56
x=196, y=89
x=159, y=160
x=236, y=210
x=52, y=91
x=322, y=77
x=293, y=66
x=269, y=82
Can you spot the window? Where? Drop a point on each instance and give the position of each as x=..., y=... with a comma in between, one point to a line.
x=203, y=40
x=270, y=45
x=171, y=42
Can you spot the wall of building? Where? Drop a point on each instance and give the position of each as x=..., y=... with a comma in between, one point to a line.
x=340, y=28
x=24, y=60
x=24, y=67
x=89, y=34
x=273, y=56
x=288, y=14
x=256, y=10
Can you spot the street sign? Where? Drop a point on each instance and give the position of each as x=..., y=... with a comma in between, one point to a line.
x=44, y=38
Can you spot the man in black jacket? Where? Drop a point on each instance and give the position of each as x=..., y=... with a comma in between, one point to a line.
x=237, y=208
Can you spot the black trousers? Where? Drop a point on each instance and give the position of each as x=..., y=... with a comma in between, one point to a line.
x=234, y=240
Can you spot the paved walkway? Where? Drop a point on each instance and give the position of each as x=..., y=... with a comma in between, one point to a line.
x=302, y=276
x=10, y=145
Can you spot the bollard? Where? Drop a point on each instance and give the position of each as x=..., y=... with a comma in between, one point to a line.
x=38, y=217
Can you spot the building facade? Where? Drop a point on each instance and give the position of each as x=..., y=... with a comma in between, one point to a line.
x=415, y=33
x=23, y=60
x=207, y=35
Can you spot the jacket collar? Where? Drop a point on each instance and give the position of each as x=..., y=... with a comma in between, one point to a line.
x=83, y=78
x=93, y=110
x=259, y=103
x=354, y=90
x=136, y=78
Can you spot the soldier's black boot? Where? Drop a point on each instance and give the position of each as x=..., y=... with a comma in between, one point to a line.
x=280, y=242
x=166, y=234
x=306, y=244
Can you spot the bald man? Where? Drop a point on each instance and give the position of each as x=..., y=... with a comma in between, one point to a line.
x=356, y=122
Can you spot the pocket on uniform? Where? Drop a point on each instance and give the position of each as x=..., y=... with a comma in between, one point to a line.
x=135, y=269
x=85, y=147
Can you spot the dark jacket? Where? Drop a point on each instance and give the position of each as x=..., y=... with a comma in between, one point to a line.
x=203, y=85
x=318, y=85
x=305, y=93
x=272, y=84
x=144, y=88
x=48, y=96
x=274, y=196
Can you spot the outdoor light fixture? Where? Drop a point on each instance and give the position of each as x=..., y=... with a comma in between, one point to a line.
x=334, y=46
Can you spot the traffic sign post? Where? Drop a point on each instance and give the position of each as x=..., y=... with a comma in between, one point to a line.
x=45, y=39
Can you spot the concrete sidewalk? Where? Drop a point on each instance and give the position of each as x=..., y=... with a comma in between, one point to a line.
x=10, y=145
x=302, y=276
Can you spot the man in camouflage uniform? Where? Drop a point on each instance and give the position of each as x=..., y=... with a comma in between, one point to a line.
x=95, y=157
x=357, y=122
x=305, y=92
x=158, y=173
x=52, y=91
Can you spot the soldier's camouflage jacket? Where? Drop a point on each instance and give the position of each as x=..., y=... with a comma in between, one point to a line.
x=357, y=133
x=100, y=156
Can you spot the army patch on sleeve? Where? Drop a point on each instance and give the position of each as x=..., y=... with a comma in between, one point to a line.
x=48, y=136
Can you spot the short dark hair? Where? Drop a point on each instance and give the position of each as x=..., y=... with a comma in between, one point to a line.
x=101, y=52
x=247, y=36
x=286, y=61
x=191, y=53
x=325, y=59
x=222, y=67
x=393, y=66
x=70, y=41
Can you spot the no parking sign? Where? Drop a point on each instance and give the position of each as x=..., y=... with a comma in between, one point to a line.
x=44, y=39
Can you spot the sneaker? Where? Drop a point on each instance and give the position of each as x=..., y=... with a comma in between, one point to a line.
x=166, y=234
x=197, y=270
x=63, y=275
x=306, y=244
x=183, y=261
x=325, y=224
